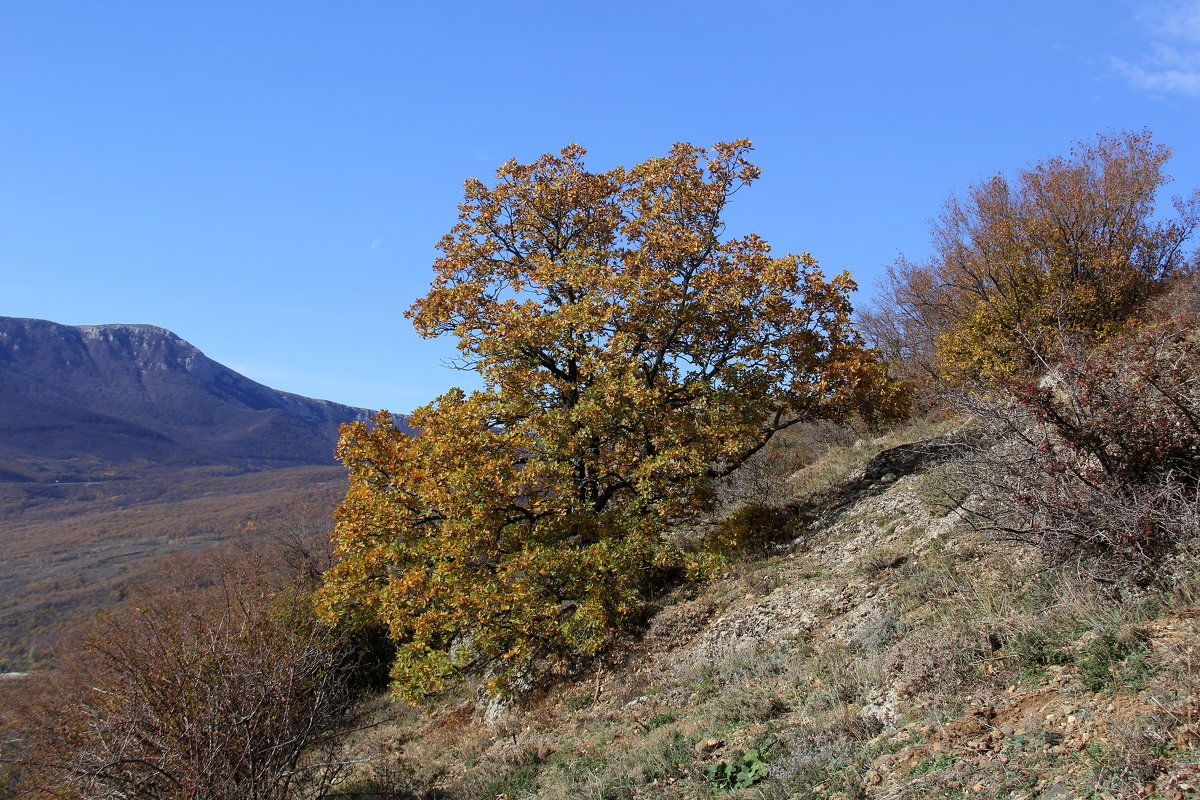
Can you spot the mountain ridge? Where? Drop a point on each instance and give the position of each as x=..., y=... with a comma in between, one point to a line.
x=123, y=445
x=133, y=391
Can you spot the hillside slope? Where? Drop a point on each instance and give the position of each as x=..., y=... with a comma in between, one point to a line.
x=888, y=650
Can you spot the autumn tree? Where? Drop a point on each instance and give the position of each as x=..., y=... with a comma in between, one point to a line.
x=1064, y=254
x=630, y=353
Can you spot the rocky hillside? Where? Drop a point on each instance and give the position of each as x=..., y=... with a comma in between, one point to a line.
x=888, y=649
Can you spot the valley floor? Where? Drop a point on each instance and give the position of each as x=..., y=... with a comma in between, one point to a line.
x=72, y=549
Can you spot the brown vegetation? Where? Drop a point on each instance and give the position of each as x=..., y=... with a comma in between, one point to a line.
x=896, y=647
x=70, y=550
x=226, y=687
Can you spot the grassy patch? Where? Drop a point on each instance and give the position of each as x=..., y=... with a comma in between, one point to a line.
x=933, y=763
x=1114, y=659
x=520, y=782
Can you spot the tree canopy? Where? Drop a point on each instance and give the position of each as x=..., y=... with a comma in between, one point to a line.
x=1064, y=254
x=630, y=353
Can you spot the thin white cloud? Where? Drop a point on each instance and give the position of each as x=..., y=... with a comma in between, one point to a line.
x=1172, y=66
x=376, y=244
x=1179, y=19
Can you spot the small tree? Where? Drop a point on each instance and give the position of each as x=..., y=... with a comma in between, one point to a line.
x=630, y=354
x=1061, y=256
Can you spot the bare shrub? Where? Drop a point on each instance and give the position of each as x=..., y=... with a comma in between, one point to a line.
x=230, y=692
x=1097, y=464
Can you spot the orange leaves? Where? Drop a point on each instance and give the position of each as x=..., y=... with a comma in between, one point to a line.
x=1064, y=254
x=630, y=352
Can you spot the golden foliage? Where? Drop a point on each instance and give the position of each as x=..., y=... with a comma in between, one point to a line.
x=630, y=353
x=1065, y=254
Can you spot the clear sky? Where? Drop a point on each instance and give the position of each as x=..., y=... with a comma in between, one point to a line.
x=268, y=179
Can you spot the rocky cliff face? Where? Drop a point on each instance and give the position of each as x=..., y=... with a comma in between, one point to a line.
x=124, y=393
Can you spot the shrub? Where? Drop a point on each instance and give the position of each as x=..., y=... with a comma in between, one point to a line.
x=232, y=692
x=1099, y=462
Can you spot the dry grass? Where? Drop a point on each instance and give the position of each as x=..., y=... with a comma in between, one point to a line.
x=897, y=654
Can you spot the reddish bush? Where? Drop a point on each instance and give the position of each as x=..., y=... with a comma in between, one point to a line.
x=1100, y=460
x=231, y=692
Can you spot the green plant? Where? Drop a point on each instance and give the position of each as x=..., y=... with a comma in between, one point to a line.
x=740, y=774
x=706, y=688
x=1113, y=658
x=520, y=782
x=580, y=701
x=1036, y=649
x=883, y=559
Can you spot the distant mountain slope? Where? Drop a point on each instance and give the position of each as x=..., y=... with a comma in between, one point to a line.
x=110, y=397
x=122, y=445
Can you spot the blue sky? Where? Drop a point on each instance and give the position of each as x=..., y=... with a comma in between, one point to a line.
x=268, y=179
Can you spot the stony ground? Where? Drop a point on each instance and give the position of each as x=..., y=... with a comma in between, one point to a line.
x=886, y=650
